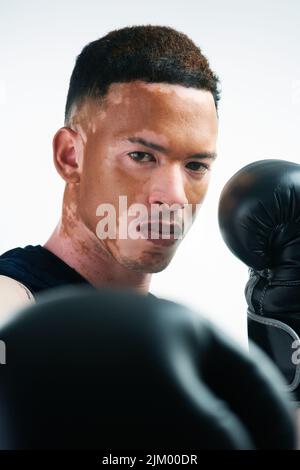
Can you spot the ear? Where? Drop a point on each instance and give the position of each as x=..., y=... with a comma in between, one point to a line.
x=67, y=154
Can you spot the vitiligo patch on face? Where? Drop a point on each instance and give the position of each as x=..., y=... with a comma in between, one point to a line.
x=181, y=120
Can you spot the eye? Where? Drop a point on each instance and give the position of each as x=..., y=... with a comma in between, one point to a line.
x=140, y=156
x=198, y=167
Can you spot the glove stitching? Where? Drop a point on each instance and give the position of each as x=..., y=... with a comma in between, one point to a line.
x=263, y=294
x=287, y=329
x=254, y=278
x=284, y=283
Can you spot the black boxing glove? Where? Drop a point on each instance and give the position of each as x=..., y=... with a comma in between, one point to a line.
x=91, y=369
x=259, y=219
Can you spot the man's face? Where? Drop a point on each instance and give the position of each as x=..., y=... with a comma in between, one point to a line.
x=183, y=122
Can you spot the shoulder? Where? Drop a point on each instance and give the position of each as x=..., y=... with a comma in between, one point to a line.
x=13, y=295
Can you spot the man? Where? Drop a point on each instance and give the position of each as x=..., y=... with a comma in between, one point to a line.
x=141, y=124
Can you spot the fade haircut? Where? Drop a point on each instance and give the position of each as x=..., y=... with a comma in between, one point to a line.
x=146, y=52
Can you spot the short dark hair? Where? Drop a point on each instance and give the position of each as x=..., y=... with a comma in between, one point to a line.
x=146, y=52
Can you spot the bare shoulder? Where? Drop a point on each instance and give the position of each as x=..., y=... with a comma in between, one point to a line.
x=13, y=295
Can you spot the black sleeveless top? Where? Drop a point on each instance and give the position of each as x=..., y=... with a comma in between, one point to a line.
x=38, y=269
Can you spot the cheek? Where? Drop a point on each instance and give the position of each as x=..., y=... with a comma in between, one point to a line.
x=129, y=180
x=96, y=187
x=104, y=184
x=197, y=191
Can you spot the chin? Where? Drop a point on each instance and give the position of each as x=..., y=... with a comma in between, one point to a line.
x=146, y=266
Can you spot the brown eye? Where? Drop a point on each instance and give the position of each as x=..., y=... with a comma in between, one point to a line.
x=197, y=166
x=140, y=156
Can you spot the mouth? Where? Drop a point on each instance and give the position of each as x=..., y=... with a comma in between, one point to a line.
x=157, y=231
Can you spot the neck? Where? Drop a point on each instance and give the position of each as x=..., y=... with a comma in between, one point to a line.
x=79, y=248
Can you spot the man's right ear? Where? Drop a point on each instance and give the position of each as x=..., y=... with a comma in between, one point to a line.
x=67, y=154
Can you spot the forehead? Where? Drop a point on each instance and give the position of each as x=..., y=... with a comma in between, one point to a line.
x=120, y=92
x=159, y=107
x=162, y=99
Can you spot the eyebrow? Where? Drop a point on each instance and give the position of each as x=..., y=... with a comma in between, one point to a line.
x=160, y=148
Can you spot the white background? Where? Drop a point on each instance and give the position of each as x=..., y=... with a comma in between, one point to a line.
x=254, y=48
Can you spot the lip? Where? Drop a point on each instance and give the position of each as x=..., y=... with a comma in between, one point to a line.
x=161, y=241
x=149, y=229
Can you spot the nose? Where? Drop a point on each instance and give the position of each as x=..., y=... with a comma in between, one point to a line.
x=168, y=186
